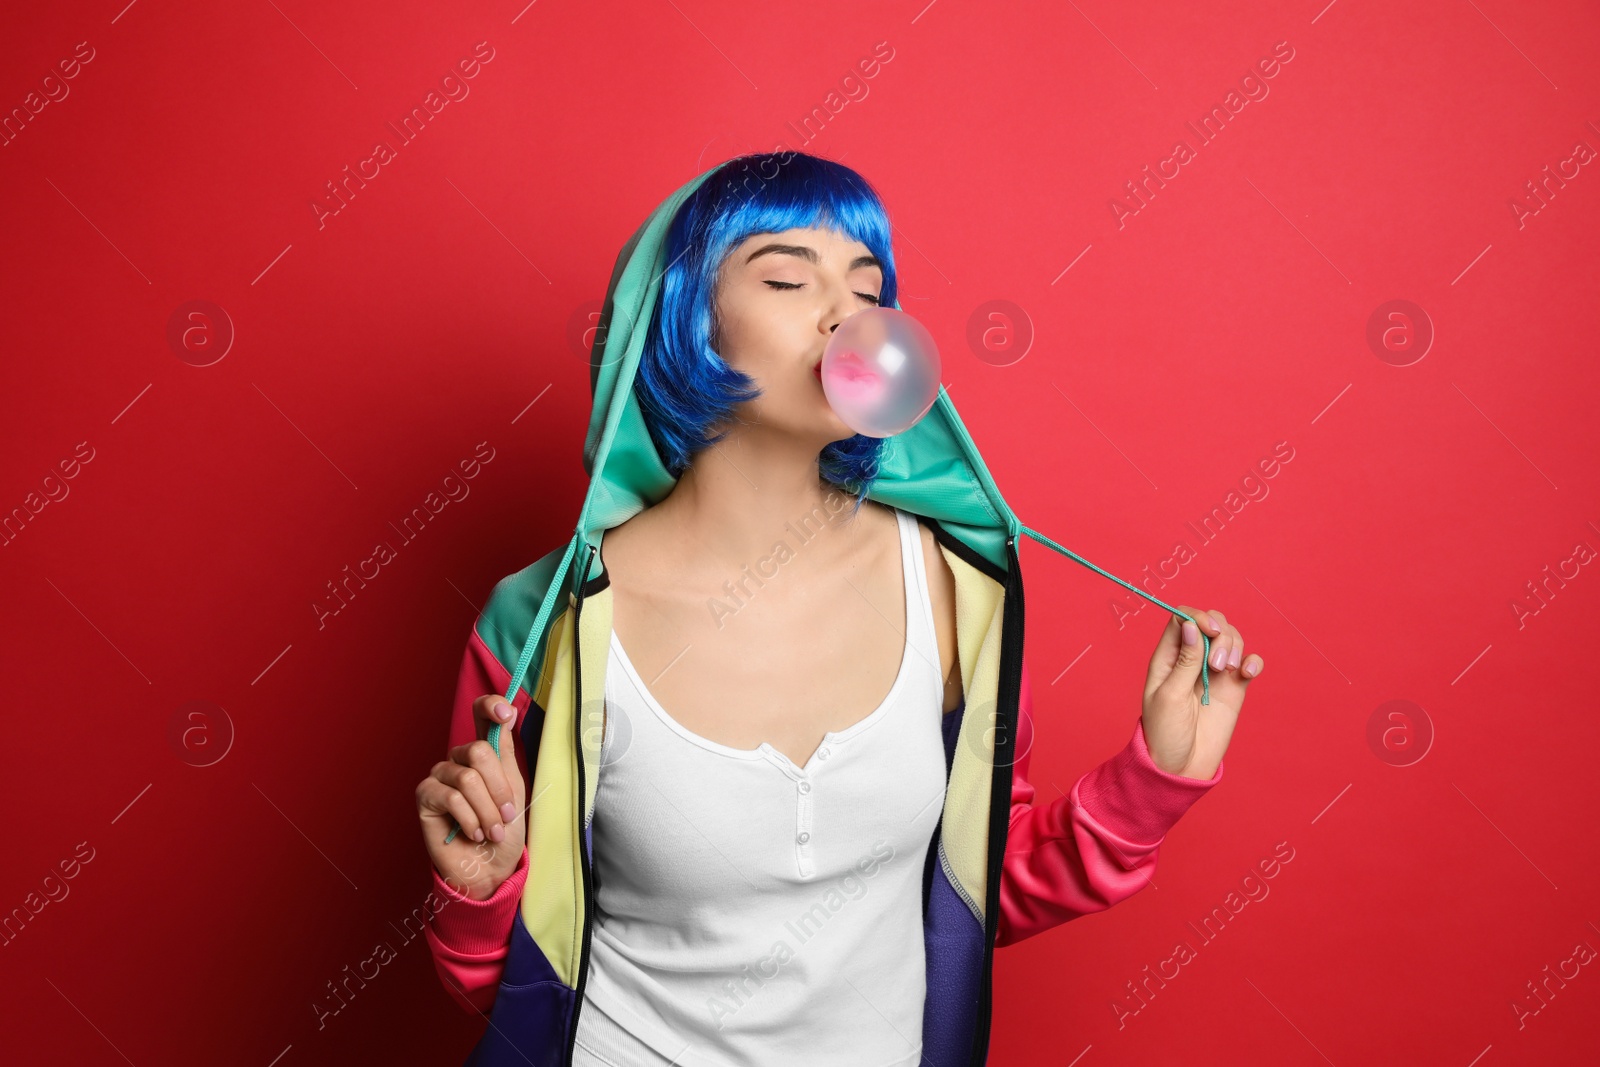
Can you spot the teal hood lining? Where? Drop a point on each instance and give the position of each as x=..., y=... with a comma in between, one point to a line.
x=932, y=469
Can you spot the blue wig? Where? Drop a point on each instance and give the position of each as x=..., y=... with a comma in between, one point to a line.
x=684, y=386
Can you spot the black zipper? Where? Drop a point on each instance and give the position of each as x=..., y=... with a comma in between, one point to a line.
x=1007, y=700
x=583, y=848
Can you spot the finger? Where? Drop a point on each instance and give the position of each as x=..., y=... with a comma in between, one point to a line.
x=497, y=775
x=1187, y=667
x=1252, y=667
x=1227, y=644
x=1220, y=646
x=491, y=710
x=1164, y=656
x=494, y=708
x=1213, y=652
x=1233, y=641
x=471, y=784
x=1206, y=620
x=436, y=801
x=1236, y=650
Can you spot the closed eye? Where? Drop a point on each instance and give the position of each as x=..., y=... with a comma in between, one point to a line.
x=797, y=285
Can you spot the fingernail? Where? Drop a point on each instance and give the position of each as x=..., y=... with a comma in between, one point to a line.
x=1233, y=659
x=497, y=833
x=508, y=811
x=1218, y=658
x=477, y=835
x=504, y=711
x=1191, y=633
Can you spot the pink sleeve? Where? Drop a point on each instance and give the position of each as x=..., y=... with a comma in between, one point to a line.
x=1093, y=847
x=470, y=938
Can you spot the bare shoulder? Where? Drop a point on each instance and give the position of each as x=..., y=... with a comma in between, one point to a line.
x=637, y=556
x=617, y=548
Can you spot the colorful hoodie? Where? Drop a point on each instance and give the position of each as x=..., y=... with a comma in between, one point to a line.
x=998, y=869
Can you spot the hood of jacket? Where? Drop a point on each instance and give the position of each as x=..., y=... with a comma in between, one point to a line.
x=933, y=468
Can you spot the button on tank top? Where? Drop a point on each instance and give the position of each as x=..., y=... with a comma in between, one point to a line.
x=749, y=910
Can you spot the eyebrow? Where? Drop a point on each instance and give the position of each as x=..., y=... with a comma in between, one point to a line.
x=809, y=254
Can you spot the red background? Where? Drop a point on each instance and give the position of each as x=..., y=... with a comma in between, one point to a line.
x=1385, y=561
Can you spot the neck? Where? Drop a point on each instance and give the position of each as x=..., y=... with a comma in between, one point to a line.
x=752, y=489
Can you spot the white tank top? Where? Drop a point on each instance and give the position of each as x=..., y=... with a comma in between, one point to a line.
x=752, y=911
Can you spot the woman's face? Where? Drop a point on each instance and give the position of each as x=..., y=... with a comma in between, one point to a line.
x=779, y=298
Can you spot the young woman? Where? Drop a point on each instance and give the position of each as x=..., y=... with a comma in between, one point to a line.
x=790, y=821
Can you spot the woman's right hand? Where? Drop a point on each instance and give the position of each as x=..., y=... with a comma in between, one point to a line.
x=485, y=793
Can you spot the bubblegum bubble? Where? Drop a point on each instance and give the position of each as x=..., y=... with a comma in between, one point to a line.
x=880, y=371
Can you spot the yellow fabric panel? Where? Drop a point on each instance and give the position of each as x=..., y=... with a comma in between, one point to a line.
x=595, y=643
x=979, y=603
x=552, y=899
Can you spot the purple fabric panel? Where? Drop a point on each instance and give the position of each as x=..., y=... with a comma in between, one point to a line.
x=951, y=725
x=953, y=940
x=528, y=1022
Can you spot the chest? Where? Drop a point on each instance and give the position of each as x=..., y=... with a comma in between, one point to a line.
x=779, y=663
x=668, y=792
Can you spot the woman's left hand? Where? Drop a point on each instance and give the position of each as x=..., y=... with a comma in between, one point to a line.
x=1184, y=736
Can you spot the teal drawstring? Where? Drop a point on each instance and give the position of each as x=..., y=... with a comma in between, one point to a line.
x=527, y=656
x=1205, y=659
